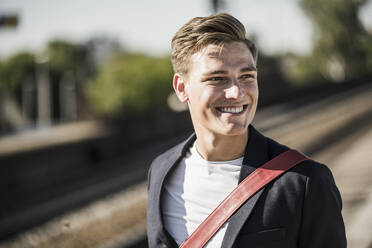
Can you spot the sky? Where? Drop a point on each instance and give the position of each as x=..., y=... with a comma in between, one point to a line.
x=148, y=26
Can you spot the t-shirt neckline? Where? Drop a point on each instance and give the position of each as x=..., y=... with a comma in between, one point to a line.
x=194, y=153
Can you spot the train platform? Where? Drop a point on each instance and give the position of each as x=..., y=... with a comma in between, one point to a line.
x=336, y=132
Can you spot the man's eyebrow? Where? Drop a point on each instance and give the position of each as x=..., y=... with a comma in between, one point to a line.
x=245, y=69
x=215, y=72
x=249, y=69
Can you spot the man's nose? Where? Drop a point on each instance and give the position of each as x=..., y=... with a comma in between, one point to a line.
x=233, y=91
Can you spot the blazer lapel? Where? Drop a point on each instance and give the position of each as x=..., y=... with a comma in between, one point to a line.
x=160, y=172
x=256, y=154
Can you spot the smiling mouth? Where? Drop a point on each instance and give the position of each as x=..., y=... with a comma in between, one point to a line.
x=232, y=110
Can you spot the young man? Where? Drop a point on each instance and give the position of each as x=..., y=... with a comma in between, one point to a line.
x=216, y=75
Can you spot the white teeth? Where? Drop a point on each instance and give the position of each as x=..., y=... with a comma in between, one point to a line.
x=233, y=110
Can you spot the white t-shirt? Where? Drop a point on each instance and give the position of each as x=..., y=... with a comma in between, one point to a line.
x=193, y=190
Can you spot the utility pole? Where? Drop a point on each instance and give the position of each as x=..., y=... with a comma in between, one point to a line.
x=217, y=5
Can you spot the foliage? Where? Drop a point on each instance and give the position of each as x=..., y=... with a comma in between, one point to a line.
x=67, y=57
x=15, y=70
x=131, y=83
x=342, y=47
x=302, y=70
x=128, y=82
x=61, y=56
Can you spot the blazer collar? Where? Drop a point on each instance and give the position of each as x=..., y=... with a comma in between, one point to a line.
x=255, y=155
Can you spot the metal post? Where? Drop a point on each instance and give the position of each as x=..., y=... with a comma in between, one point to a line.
x=44, y=103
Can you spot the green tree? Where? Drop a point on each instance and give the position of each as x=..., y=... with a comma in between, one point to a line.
x=70, y=67
x=342, y=48
x=15, y=70
x=65, y=57
x=131, y=84
x=61, y=56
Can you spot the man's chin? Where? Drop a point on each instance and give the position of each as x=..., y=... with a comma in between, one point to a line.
x=233, y=130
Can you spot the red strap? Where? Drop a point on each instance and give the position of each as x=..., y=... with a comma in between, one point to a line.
x=248, y=187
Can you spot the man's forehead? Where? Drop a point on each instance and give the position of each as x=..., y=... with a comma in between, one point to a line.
x=236, y=53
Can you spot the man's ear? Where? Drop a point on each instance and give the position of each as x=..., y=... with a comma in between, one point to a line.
x=179, y=86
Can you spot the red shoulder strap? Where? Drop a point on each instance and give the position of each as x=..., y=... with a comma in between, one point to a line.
x=247, y=188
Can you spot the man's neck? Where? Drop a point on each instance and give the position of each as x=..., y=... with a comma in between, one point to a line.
x=214, y=147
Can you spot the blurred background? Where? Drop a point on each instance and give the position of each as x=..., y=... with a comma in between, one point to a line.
x=86, y=103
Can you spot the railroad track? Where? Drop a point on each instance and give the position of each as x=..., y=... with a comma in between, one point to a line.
x=335, y=131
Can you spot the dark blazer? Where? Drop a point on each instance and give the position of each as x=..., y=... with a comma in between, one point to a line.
x=301, y=209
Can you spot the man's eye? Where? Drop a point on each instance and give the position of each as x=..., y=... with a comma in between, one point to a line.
x=216, y=79
x=247, y=76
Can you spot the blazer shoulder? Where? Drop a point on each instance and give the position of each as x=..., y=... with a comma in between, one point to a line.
x=315, y=173
x=309, y=168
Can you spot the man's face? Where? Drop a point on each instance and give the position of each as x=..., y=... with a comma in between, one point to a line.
x=221, y=89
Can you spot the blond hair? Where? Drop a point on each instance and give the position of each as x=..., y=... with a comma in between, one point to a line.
x=199, y=32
